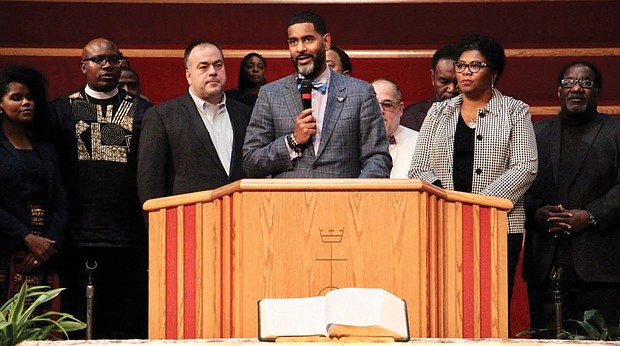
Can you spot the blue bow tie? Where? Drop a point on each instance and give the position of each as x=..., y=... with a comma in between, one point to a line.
x=319, y=86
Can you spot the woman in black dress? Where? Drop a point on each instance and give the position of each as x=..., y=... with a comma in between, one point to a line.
x=33, y=205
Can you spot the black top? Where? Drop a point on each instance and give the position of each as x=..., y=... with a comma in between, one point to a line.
x=36, y=173
x=236, y=95
x=463, y=156
x=570, y=141
x=37, y=188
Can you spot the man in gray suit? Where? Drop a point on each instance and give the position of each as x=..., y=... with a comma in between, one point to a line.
x=341, y=136
x=193, y=142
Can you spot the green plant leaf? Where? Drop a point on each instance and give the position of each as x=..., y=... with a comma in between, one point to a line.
x=530, y=331
x=591, y=331
x=17, y=308
x=17, y=325
x=42, y=298
x=566, y=335
x=595, y=318
x=614, y=333
x=46, y=331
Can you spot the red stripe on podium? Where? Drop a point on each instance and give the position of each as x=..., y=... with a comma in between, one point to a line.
x=432, y=256
x=486, y=268
x=171, y=273
x=468, y=271
x=189, y=271
x=231, y=219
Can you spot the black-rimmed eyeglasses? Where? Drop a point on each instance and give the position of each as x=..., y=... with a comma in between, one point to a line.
x=101, y=60
x=571, y=82
x=473, y=66
x=388, y=105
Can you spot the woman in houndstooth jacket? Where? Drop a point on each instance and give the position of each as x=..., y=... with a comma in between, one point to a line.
x=481, y=141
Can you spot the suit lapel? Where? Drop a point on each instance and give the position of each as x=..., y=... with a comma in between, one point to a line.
x=335, y=101
x=238, y=135
x=292, y=97
x=200, y=130
x=4, y=141
x=553, y=141
x=592, y=130
x=49, y=168
x=47, y=162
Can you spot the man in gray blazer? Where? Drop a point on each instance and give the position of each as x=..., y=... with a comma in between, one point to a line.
x=193, y=142
x=341, y=136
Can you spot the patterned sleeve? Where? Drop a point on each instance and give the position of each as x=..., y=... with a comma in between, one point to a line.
x=523, y=157
x=264, y=152
x=421, y=161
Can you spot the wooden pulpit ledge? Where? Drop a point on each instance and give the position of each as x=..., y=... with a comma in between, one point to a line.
x=214, y=254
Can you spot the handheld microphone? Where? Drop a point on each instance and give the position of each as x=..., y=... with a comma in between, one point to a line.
x=306, y=93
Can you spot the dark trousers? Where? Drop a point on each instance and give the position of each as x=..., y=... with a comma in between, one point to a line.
x=515, y=243
x=577, y=295
x=120, y=291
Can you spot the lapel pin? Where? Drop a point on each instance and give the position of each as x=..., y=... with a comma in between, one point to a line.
x=340, y=98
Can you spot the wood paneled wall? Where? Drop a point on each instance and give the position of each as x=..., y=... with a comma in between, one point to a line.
x=392, y=39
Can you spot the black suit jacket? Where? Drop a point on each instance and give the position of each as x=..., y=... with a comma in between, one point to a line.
x=176, y=154
x=595, y=186
x=14, y=192
x=414, y=115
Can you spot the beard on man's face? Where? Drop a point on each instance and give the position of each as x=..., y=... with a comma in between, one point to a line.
x=313, y=67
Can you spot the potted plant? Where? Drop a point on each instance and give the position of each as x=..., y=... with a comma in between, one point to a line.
x=20, y=321
x=593, y=325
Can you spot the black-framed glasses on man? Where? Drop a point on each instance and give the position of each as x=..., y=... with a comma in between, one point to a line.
x=113, y=60
x=583, y=82
x=388, y=105
x=473, y=66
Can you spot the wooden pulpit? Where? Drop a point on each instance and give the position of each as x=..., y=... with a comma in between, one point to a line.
x=214, y=254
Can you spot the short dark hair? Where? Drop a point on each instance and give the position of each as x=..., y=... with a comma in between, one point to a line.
x=598, y=78
x=40, y=125
x=129, y=69
x=489, y=48
x=449, y=51
x=194, y=44
x=344, y=58
x=309, y=17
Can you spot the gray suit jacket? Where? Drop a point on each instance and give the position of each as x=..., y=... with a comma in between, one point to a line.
x=353, y=139
x=176, y=154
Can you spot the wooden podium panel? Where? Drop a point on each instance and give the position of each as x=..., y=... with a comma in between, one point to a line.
x=214, y=254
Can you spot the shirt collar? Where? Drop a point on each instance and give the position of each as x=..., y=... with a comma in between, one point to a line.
x=100, y=95
x=200, y=103
x=324, y=77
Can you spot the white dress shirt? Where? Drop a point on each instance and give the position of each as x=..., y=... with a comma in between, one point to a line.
x=402, y=151
x=217, y=122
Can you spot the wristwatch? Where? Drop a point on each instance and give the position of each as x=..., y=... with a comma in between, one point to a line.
x=591, y=219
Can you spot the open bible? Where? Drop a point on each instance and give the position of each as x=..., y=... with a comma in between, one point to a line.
x=345, y=312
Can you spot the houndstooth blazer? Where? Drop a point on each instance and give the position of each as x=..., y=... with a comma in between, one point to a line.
x=505, y=153
x=353, y=139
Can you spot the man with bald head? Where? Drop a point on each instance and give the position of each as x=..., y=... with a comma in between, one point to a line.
x=401, y=140
x=194, y=142
x=96, y=132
